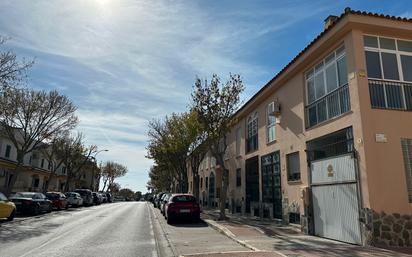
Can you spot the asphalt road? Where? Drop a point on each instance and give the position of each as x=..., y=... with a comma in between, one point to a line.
x=117, y=229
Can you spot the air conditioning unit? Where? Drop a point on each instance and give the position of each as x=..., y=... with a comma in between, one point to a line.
x=274, y=109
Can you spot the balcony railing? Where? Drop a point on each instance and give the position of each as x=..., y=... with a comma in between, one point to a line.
x=329, y=106
x=390, y=95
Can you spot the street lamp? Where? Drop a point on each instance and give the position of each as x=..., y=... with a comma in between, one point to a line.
x=94, y=175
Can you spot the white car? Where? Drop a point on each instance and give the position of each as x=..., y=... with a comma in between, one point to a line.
x=74, y=199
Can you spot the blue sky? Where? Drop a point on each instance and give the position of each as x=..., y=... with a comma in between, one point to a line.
x=125, y=62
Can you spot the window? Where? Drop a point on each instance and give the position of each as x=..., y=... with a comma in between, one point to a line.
x=201, y=182
x=294, y=218
x=293, y=163
x=8, y=150
x=64, y=170
x=207, y=182
x=238, y=177
x=42, y=163
x=35, y=182
x=407, y=159
x=238, y=140
x=326, y=86
x=389, y=67
x=252, y=133
x=271, y=123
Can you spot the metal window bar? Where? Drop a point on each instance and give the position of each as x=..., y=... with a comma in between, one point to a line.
x=329, y=106
x=390, y=95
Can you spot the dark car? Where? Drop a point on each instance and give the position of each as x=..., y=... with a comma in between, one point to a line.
x=31, y=202
x=58, y=200
x=157, y=200
x=87, y=196
x=182, y=206
x=97, y=198
x=109, y=197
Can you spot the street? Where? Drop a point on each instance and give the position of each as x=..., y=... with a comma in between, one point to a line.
x=138, y=229
x=119, y=229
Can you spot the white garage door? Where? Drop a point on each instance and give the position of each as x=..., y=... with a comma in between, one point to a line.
x=335, y=200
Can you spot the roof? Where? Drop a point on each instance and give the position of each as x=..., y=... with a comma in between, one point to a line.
x=346, y=12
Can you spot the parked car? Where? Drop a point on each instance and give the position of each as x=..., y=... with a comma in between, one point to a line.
x=58, y=200
x=104, y=197
x=74, y=199
x=157, y=199
x=7, y=208
x=97, y=198
x=109, y=197
x=86, y=195
x=163, y=202
x=181, y=206
x=31, y=202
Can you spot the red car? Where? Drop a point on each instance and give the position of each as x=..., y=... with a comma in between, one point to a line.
x=58, y=200
x=181, y=206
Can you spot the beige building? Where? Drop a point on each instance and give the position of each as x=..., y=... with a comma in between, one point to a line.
x=327, y=143
x=36, y=172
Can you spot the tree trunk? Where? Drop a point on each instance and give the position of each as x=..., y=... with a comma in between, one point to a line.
x=196, y=186
x=223, y=194
x=16, y=172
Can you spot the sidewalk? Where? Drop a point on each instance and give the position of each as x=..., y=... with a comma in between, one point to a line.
x=287, y=240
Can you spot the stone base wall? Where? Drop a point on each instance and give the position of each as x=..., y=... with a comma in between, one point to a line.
x=390, y=229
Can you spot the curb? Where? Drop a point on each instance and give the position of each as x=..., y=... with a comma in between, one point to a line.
x=226, y=232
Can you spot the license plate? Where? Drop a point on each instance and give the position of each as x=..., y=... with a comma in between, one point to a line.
x=184, y=211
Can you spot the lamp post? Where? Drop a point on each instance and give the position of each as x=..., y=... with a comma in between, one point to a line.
x=93, y=186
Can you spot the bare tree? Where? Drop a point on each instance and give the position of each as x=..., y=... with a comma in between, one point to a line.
x=52, y=152
x=12, y=71
x=110, y=171
x=215, y=105
x=75, y=156
x=29, y=118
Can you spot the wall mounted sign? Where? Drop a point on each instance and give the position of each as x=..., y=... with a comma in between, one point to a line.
x=330, y=170
x=380, y=138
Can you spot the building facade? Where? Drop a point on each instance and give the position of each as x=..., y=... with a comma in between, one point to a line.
x=327, y=143
x=36, y=171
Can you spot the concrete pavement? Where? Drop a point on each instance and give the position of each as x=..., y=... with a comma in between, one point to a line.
x=195, y=238
x=118, y=229
x=266, y=236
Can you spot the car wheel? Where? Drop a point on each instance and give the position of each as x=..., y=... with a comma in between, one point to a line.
x=36, y=210
x=11, y=217
x=50, y=208
x=169, y=220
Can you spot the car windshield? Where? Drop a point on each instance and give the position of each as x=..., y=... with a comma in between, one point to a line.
x=183, y=198
x=52, y=196
x=25, y=195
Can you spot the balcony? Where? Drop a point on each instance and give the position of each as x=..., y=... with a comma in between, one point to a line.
x=390, y=95
x=329, y=106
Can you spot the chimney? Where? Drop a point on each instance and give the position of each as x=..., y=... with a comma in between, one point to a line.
x=330, y=20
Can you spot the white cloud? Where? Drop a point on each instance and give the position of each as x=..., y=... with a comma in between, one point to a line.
x=126, y=62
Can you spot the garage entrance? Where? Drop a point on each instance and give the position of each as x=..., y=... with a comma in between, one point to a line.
x=334, y=187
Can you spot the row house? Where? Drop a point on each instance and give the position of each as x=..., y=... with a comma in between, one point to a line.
x=36, y=171
x=327, y=143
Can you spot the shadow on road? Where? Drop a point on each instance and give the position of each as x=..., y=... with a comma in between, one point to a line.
x=16, y=233
x=189, y=224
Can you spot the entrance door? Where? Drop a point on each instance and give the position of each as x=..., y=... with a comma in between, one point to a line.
x=252, y=182
x=272, y=191
x=335, y=198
